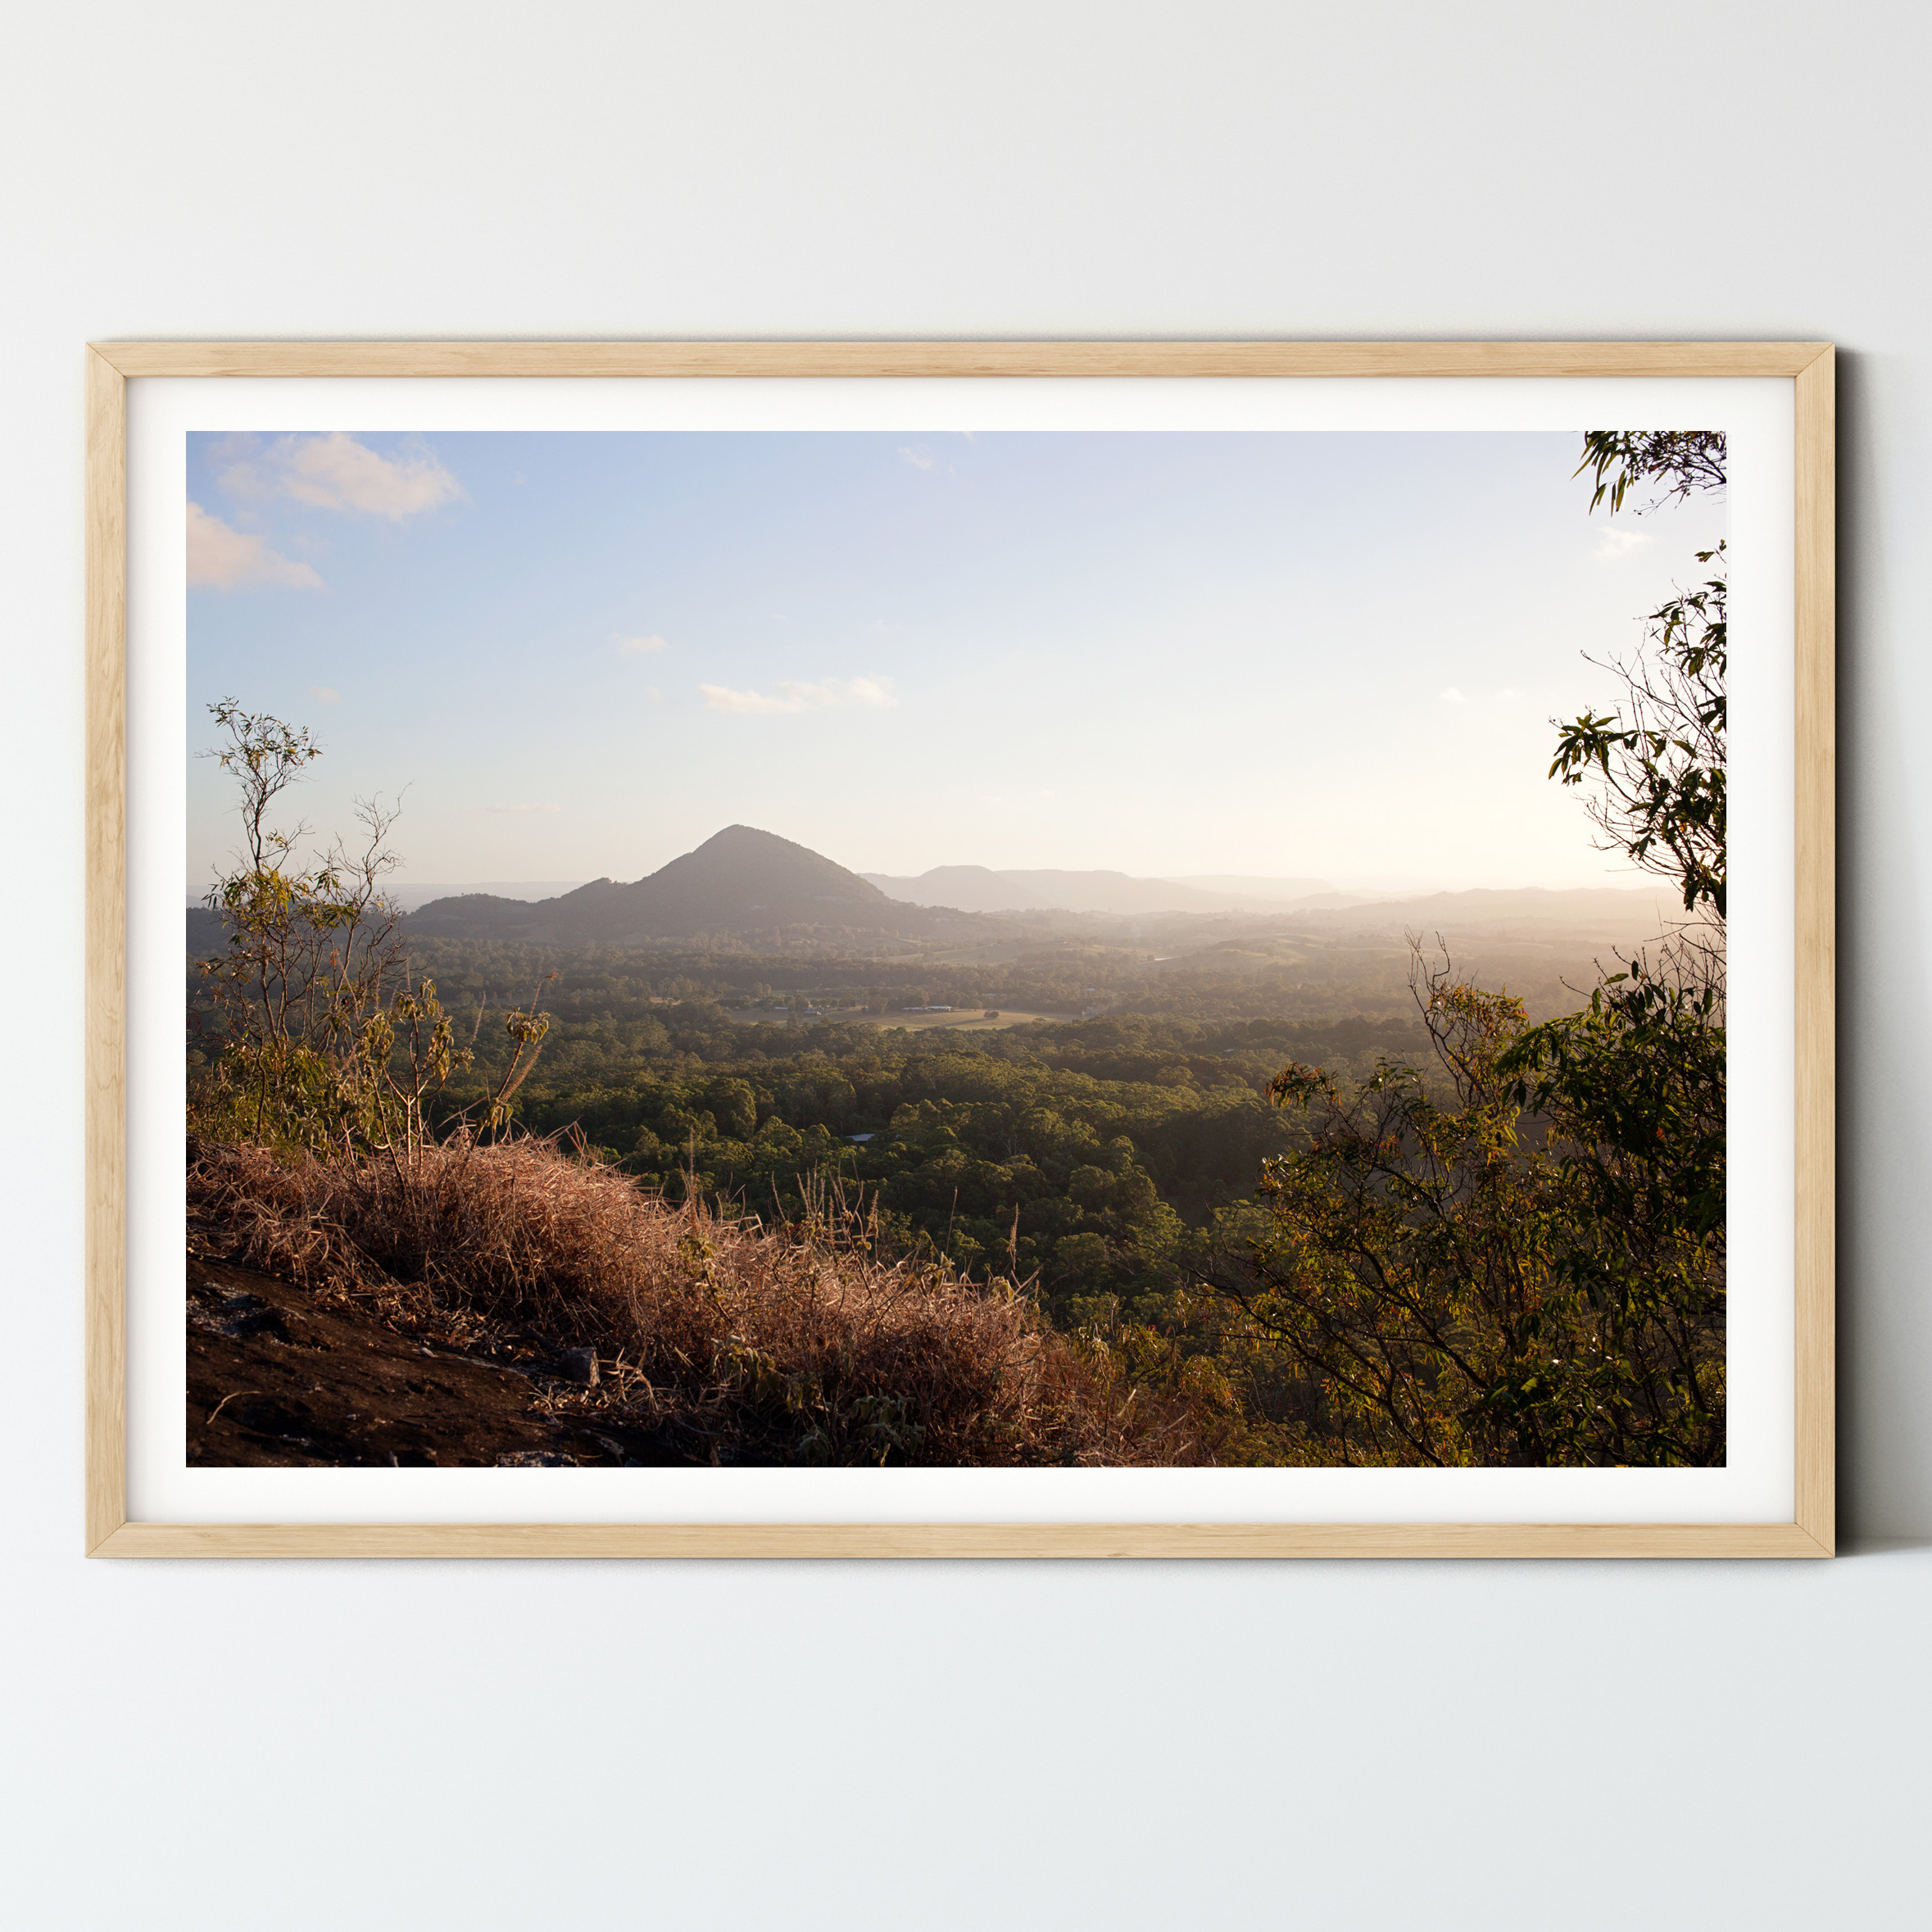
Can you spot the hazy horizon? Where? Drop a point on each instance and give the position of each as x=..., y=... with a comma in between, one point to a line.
x=412, y=892
x=1172, y=655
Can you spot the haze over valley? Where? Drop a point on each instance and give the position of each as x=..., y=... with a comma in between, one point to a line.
x=745, y=888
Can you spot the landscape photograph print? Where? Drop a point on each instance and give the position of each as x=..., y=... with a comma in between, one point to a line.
x=1021, y=948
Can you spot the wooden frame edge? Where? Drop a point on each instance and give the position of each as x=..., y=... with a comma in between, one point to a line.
x=905, y=358
x=108, y=1531
x=105, y=1109
x=1814, y=616
x=847, y=1542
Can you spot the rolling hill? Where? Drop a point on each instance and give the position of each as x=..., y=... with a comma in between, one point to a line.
x=1627, y=914
x=979, y=888
x=740, y=881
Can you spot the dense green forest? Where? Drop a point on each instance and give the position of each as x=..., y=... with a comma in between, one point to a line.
x=1082, y=1154
x=1092, y=1155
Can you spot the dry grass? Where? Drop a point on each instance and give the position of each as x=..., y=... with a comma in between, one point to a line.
x=797, y=1344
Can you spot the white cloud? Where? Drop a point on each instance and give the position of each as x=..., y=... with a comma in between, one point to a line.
x=1451, y=696
x=638, y=646
x=918, y=458
x=337, y=472
x=523, y=808
x=226, y=559
x=792, y=696
x=324, y=694
x=1612, y=542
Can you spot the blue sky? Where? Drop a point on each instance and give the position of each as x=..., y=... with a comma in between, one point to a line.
x=1330, y=655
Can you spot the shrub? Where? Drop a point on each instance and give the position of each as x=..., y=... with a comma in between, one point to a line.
x=799, y=1343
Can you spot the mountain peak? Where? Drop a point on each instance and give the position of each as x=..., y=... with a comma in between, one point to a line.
x=741, y=879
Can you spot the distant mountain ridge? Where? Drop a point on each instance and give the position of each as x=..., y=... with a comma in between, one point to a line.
x=740, y=881
x=408, y=895
x=1250, y=888
x=1631, y=913
x=979, y=888
x=751, y=886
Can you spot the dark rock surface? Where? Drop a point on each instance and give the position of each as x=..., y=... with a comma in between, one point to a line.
x=276, y=1376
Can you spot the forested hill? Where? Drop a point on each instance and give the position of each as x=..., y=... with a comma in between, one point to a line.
x=740, y=882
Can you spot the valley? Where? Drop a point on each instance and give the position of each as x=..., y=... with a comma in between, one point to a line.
x=1077, y=1098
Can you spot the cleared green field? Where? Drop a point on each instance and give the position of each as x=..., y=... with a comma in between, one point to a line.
x=964, y=1020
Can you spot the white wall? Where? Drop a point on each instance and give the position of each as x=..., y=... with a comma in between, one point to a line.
x=950, y=1745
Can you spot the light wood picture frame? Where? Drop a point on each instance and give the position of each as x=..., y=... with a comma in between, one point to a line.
x=110, y=367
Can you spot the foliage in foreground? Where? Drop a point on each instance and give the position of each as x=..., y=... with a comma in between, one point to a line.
x=1527, y=1271
x=798, y=1344
x=312, y=1033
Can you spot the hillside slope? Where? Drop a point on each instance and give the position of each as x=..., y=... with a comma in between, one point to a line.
x=739, y=881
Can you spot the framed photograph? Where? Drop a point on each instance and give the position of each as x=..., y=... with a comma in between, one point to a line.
x=960, y=950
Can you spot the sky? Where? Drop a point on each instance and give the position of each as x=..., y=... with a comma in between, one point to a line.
x=577, y=656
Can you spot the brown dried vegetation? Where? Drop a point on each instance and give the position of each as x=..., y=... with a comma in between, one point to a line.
x=795, y=1343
